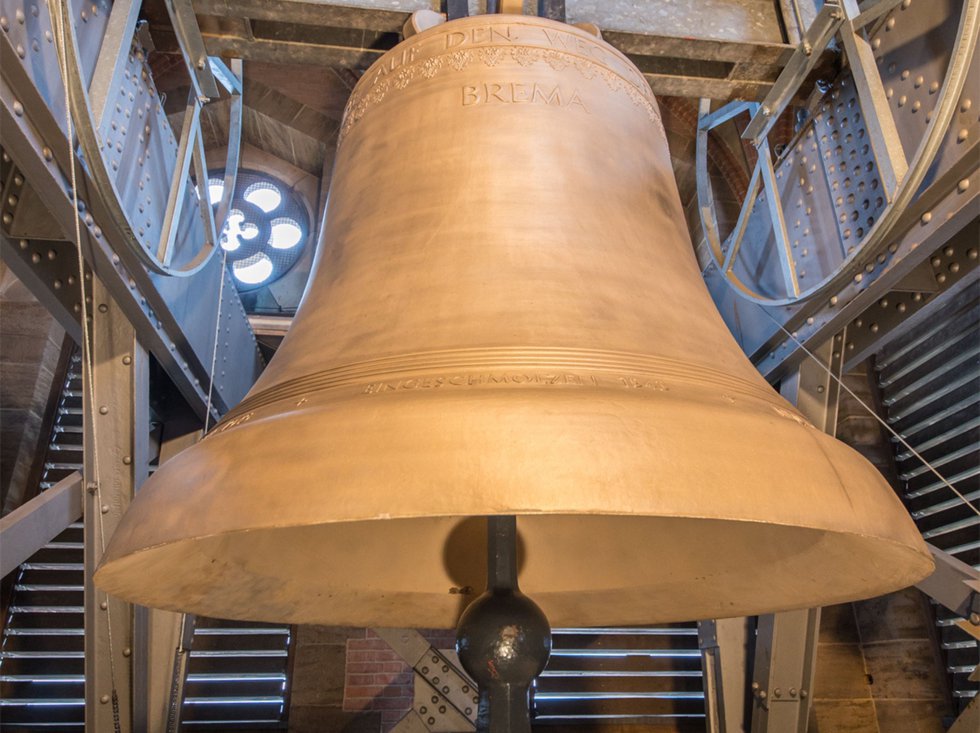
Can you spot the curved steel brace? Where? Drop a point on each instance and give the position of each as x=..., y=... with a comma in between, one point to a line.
x=190, y=151
x=905, y=189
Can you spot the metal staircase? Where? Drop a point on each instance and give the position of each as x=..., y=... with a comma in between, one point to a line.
x=237, y=672
x=237, y=677
x=623, y=675
x=929, y=381
x=42, y=682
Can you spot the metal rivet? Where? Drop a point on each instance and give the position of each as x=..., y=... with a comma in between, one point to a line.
x=833, y=300
x=127, y=460
x=963, y=185
x=35, y=258
x=941, y=278
x=18, y=109
x=104, y=699
x=103, y=410
x=926, y=217
x=962, y=135
x=954, y=267
x=972, y=253
x=105, y=508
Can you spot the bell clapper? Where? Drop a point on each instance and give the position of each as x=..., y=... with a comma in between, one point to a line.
x=503, y=639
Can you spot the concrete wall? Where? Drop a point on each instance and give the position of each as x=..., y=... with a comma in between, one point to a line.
x=878, y=664
x=30, y=347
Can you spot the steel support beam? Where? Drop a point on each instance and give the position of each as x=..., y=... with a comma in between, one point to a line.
x=815, y=386
x=192, y=46
x=166, y=311
x=786, y=643
x=782, y=680
x=116, y=407
x=879, y=120
x=726, y=659
x=162, y=639
x=31, y=526
x=112, y=57
x=721, y=49
x=953, y=584
x=932, y=221
x=802, y=63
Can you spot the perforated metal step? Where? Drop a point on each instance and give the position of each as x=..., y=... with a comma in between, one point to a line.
x=930, y=386
x=625, y=675
x=42, y=660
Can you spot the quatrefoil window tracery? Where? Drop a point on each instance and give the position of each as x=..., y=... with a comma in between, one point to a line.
x=265, y=231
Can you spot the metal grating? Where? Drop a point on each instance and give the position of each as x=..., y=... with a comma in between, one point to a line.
x=930, y=388
x=42, y=681
x=623, y=675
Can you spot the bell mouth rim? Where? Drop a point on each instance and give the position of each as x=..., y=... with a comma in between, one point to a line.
x=906, y=563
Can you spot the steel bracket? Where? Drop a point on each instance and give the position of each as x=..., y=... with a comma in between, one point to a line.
x=446, y=700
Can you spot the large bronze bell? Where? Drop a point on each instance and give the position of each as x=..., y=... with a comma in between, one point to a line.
x=506, y=318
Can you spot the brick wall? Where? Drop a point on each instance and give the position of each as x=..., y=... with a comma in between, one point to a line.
x=378, y=680
x=348, y=679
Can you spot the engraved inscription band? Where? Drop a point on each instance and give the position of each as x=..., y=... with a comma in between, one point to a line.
x=511, y=367
x=487, y=42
